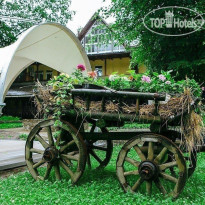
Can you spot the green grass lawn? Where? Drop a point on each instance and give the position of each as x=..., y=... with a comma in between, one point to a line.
x=10, y=122
x=96, y=187
x=9, y=118
x=10, y=125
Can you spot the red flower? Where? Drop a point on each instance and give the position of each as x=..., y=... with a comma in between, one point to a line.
x=92, y=74
x=131, y=78
x=81, y=67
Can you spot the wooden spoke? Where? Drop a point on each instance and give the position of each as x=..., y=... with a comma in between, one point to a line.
x=149, y=187
x=168, y=177
x=160, y=186
x=134, y=172
x=38, y=164
x=92, y=128
x=38, y=151
x=48, y=171
x=167, y=165
x=50, y=137
x=67, y=145
x=70, y=157
x=67, y=169
x=166, y=156
x=132, y=161
x=150, y=151
x=42, y=141
x=160, y=155
x=62, y=151
x=88, y=161
x=99, y=148
x=58, y=140
x=57, y=172
x=95, y=156
x=68, y=162
x=137, y=184
x=139, y=152
x=73, y=152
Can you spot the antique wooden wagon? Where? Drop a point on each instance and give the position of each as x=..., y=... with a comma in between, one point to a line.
x=148, y=161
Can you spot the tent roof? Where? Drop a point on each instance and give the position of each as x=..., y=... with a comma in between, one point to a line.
x=50, y=44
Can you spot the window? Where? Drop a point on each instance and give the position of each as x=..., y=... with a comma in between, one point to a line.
x=49, y=74
x=39, y=75
x=99, y=71
x=31, y=71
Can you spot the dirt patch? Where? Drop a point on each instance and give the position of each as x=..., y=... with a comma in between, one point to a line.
x=12, y=133
x=6, y=173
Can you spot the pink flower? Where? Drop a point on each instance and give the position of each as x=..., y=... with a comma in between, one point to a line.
x=162, y=77
x=81, y=67
x=146, y=79
x=203, y=88
x=168, y=82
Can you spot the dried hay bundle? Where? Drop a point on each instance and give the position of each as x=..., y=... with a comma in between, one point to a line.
x=191, y=123
x=43, y=98
x=95, y=106
x=129, y=108
x=191, y=129
x=146, y=109
x=174, y=107
x=80, y=103
x=112, y=107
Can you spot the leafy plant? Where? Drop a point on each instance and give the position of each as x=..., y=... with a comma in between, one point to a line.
x=10, y=125
x=22, y=14
x=183, y=54
x=23, y=136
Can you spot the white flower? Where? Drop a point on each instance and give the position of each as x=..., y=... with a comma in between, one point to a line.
x=64, y=75
x=125, y=78
x=113, y=77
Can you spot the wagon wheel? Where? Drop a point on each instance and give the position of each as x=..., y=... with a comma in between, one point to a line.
x=100, y=151
x=190, y=157
x=148, y=172
x=45, y=148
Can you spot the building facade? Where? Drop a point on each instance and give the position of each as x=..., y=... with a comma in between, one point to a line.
x=105, y=55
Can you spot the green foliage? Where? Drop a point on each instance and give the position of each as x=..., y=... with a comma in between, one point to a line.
x=118, y=82
x=185, y=55
x=163, y=82
x=10, y=125
x=131, y=126
x=10, y=122
x=95, y=187
x=152, y=82
x=147, y=82
x=33, y=12
x=23, y=136
x=9, y=118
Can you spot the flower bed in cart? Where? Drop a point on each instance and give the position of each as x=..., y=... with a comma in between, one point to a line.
x=56, y=97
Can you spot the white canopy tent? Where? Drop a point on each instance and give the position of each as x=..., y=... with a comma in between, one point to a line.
x=50, y=44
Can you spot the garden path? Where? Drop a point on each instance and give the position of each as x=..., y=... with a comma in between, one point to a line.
x=12, y=153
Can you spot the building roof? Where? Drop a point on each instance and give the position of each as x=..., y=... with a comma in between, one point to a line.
x=20, y=92
x=89, y=24
x=109, y=55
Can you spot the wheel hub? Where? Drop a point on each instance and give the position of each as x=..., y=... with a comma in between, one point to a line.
x=50, y=154
x=148, y=170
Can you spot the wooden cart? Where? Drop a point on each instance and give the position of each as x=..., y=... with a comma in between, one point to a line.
x=147, y=161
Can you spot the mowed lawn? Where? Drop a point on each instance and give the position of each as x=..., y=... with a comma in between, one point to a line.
x=96, y=187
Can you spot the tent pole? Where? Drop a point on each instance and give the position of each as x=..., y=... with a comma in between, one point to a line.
x=1, y=107
x=2, y=83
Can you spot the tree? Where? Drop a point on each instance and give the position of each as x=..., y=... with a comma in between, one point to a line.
x=185, y=55
x=19, y=15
